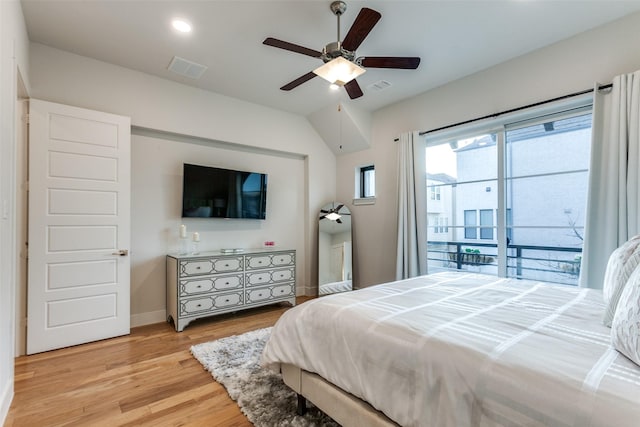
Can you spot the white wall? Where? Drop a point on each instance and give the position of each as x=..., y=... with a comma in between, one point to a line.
x=14, y=51
x=162, y=105
x=157, y=203
x=565, y=67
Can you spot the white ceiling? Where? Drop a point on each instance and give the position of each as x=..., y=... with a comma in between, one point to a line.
x=453, y=38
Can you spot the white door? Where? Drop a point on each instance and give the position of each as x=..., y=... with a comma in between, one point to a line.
x=337, y=263
x=79, y=226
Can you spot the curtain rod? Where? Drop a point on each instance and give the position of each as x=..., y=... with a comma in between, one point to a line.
x=513, y=110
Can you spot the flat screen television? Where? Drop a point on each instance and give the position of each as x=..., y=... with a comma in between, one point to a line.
x=210, y=192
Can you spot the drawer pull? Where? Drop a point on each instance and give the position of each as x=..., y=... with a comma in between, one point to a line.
x=198, y=268
x=199, y=305
x=281, y=260
x=226, y=283
x=227, y=300
x=226, y=265
x=199, y=286
x=259, y=295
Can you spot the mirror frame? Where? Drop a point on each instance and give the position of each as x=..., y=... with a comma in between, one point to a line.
x=335, y=249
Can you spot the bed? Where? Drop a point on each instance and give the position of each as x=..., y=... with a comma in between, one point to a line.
x=457, y=349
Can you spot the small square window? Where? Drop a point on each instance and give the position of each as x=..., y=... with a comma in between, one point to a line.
x=366, y=182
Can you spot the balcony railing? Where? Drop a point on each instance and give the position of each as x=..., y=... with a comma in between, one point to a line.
x=549, y=263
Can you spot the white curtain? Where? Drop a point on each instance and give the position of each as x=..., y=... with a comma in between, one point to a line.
x=614, y=190
x=411, y=257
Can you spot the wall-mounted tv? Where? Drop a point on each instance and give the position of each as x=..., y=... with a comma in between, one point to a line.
x=210, y=192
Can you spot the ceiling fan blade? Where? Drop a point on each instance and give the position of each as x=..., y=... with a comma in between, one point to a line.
x=364, y=23
x=323, y=211
x=405, y=63
x=297, y=82
x=339, y=207
x=270, y=41
x=338, y=221
x=353, y=89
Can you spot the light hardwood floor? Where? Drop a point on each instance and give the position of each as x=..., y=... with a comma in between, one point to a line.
x=146, y=378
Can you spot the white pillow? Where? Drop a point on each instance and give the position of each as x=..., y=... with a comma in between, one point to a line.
x=622, y=263
x=625, y=329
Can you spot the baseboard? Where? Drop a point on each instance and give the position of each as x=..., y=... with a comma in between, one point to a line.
x=148, y=318
x=5, y=401
x=308, y=291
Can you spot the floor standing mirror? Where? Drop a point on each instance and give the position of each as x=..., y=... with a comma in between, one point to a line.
x=334, y=249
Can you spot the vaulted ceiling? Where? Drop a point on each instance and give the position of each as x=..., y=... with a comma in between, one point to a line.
x=453, y=38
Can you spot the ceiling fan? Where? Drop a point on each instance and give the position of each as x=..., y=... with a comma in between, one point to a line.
x=333, y=214
x=343, y=54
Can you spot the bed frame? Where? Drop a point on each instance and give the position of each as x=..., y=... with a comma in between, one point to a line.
x=344, y=408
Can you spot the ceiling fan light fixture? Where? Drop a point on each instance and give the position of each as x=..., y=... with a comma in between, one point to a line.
x=339, y=71
x=181, y=25
x=333, y=216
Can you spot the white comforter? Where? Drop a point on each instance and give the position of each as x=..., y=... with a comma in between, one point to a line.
x=455, y=349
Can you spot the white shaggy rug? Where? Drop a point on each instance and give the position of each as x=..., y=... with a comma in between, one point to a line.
x=259, y=392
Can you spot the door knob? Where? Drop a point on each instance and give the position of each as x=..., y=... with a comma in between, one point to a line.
x=121, y=252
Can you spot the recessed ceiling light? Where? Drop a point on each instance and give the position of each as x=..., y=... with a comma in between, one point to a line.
x=334, y=86
x=181, y=25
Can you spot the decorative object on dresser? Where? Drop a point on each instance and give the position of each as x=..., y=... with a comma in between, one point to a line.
x=213, y=283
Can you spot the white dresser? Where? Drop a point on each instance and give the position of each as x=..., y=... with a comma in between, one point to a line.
x=213, y=283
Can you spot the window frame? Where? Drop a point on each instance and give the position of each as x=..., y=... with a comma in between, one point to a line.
x=471, y=228
x=500, y=125
x=366, y=178
x=360, y=184
x=484, y=228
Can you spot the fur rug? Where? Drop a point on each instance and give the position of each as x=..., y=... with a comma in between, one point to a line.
x=260, y=393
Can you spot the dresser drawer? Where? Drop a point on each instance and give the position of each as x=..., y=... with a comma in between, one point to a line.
x=283, y=275
x=259, y=278
x=210, y=303
x=281, y=259
x=269, y=293
x=210, y=284
x=227, y=264
x=258, y=261
x=284, y=290
x=199, y=267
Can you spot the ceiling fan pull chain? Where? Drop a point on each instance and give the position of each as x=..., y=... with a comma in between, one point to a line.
x=339, y=39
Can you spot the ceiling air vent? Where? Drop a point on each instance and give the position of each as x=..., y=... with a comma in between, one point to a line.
x=379, y=85
x=186, y=68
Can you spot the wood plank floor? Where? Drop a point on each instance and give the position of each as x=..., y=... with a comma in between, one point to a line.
x=146, y=378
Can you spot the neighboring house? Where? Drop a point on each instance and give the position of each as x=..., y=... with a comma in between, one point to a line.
x=545, y=197
x=440, y=207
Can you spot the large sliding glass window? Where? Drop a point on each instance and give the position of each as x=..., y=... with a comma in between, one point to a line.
x=515, y=197
x=465, y=171
x=546, y=171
